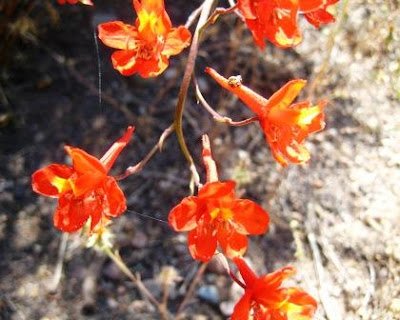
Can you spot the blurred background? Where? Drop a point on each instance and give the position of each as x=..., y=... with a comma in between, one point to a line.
x=335, y=219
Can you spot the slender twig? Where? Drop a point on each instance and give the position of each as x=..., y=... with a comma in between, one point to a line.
x=205, y=12
x=139, y=166
x=318, y=266
x=316, y=80
x=215, y=15
x=370, y=290
x=192, y=287
x=237, y=12
x=193, y=16
x=60, y=261
x=216, y=116
x=116, y=258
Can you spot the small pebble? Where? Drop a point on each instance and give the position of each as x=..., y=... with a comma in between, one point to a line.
x=209, y=294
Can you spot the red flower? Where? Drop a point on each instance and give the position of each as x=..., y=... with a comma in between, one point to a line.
x=87, y=2
x=145, y=47
x=268, y=300
x=317, y=14
x=215, y=216
x=84, y=190
x=274, y=20
x=285, y=125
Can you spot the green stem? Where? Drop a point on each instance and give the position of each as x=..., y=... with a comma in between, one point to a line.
x=205, y=12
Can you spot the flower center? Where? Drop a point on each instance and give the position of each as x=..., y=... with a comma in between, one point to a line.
x=224, y=214
x=145, y=52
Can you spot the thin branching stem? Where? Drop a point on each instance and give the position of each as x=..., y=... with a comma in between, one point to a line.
x=140, y=165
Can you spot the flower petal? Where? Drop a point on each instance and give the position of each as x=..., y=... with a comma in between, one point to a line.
x=249, y=217
x=111, y=155
x=89, y=171
x=118, y=35
x=280, y=22
x=202, y=242
x=177, y=40
x=218, y=190
x=124, y=61
x=285, y=95
x=153, y=20
x=84, y=162
x=246, y=8
x=276, y=153
x=243, y=307
x=233, y=243
x=93, y=204
x=183, y=216
x=52, y=181
x=70, y=215
x=294, y=151
x=275, y=279
x=248, y=275
x=114, y=203
x=273, y=20
x=152, y=67
x=310, y=5
x=319, y=17
x=299, y=305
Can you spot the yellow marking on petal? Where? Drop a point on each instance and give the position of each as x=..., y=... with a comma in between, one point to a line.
x=294, y=309
x=307, y=115
x=283, y=40
x=214, y=213
x=226, y=214
x=62, y=185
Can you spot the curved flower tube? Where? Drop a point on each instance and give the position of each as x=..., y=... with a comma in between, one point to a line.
x=145, y=47
x=84, y=190
x=285, y=125
x=215, y=216
x=265, y=298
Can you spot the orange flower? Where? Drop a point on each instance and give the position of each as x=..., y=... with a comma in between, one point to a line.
x=84, y=190
x=87, y=2
x=317, y=14
x=145, y=47
x=274, y=20
x=267, y=300
x=217, y=216
x=285, y=125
